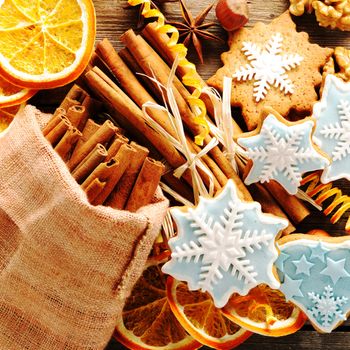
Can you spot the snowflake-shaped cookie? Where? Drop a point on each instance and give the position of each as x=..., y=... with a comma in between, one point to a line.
x=282, y=152
x=224, y=246
x=332, y=132
x=322, y=290
x=268, y=67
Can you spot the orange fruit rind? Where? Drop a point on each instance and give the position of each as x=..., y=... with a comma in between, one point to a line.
x=147, y=321
x=198, y=315
x=45, y=44
x=265, y=311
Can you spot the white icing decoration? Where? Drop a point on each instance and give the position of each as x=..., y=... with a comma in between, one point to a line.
x=335, y=270
x=282, y=153
x=268, y=67
x=327, y=307
x=224, y=245
x=332, y=132
x=340, y=131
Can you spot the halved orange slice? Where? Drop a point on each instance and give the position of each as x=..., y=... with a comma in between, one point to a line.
x=198, y=315
x=7, y=114
x=11, y=95
x=147, y=321
x=45, y=44
x=265, y=311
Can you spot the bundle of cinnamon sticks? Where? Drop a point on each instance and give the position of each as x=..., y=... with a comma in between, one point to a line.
x=110, y=170
x=122, y=80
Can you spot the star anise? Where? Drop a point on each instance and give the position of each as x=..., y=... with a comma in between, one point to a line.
x=194, y=29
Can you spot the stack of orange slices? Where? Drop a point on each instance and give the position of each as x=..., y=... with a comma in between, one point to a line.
x=162, y=313
x=43, y=45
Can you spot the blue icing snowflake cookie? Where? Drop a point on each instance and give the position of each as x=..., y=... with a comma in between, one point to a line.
x=282, y=151
x=315, y=276
x=332, y=132
x=224, y=246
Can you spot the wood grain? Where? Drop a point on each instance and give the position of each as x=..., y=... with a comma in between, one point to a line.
x=113, y=19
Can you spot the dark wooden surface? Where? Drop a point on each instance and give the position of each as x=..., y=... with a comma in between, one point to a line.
x=113, y=19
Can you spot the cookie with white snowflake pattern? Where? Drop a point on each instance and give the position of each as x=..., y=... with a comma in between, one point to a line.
x=272, y=65
x=332, y=132
x=315, y=276
x=282, y=151
x=224, y=246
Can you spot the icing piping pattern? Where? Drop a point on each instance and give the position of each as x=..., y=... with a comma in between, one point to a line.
x=322, y=290
x=332, y=132
x=224, y=246
x=282, y=153
x=268, y=67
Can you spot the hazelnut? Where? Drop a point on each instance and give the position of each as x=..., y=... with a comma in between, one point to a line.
x=232, y=14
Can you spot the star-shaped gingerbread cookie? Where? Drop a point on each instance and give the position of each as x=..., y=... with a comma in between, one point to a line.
x=272, y=65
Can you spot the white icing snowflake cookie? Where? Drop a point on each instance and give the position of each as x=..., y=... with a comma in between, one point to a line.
x=282, y=151
x=332, y=132
x=224, y=246
x=315, y=276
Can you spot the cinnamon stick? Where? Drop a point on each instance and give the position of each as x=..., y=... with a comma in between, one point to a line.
x=146, y=185
x=130, y=115
x=121, y=192
x=88, y=164
x=55, y=135
x=133, y=65
x=94, y=189
x=68, y=102
x=146, y=58
x=102, y=135
x=179, y=186
x=76, y=93
x=102, y=172
x=294, y=207
x=54, y=121
x=67, y=142
x=114, y=147
x=78, y=116
x=124, y=156
x=130, y=83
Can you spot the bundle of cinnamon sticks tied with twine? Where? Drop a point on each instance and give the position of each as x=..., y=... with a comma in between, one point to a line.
x=111, y=170
x=126, y=81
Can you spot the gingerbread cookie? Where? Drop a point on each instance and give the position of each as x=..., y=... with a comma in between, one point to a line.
x=272, y=65
x=224, y=246
x=282, y=151
x=315, y=276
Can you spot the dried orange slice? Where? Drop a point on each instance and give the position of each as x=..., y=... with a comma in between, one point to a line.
x=147, y=321
x=265, y=311
x=198, y=315
x=45, y=44
x=11, y=95
x=7, y=114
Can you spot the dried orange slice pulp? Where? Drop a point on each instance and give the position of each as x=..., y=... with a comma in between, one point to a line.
x=147, y=321
x=7, y=114
x=11, y=95
x=198, y=315
x=265, y=311
x=45, y=43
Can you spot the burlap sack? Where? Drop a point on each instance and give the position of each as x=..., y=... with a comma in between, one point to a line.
x=66, y=266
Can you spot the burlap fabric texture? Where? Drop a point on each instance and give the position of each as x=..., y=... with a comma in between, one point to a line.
x=65, y=266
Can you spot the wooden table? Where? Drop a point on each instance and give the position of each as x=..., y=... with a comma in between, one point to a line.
x=113, y=20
